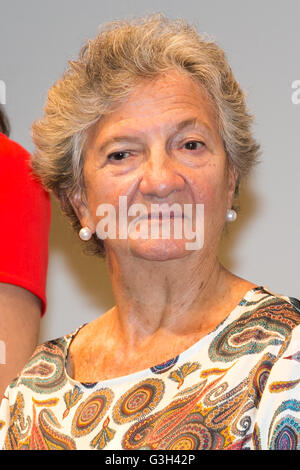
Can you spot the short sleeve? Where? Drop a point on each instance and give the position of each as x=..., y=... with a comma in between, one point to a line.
x=25, y=221
x=277, y=425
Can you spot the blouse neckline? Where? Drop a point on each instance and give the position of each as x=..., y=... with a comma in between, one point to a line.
x=183, y=357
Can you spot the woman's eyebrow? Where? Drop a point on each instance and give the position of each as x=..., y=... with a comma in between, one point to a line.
x=113, y=140
x=178, y=127
x=194, y=123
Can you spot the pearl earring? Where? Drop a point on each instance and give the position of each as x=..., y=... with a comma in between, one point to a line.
x=231, y=215
x=85, y=234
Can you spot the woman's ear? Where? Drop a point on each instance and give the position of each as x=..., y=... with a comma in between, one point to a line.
x=80, y=208
x=233, y=182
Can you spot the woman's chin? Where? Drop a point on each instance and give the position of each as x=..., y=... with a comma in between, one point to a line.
x=158, y=249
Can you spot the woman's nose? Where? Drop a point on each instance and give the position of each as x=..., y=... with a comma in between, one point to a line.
x=160, y=177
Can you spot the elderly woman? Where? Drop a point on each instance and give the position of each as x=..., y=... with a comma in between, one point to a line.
x=191, y=356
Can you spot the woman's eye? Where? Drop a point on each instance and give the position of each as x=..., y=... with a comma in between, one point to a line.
x=117, y=155
x=193, y=145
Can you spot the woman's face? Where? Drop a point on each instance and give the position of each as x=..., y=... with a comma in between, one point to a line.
x=159, y=146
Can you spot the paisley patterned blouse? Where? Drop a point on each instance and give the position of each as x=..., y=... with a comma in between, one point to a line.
x=236, y=388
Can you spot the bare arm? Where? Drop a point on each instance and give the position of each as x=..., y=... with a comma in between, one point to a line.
x=20, y=313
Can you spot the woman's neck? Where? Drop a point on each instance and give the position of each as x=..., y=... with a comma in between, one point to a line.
x=155, y=299
x=159, y=313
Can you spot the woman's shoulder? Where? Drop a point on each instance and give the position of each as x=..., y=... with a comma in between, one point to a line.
x=45, y=371
x=272, y=310
x=261, y=302
x=265, y=296
x=264, y=323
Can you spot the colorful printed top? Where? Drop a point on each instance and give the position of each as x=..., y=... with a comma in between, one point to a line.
x=236, y=388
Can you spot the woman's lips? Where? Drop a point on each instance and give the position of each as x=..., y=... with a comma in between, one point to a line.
x=163, y=216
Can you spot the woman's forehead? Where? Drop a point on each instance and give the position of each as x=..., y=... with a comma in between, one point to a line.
x=172, y=88
x=169, y=101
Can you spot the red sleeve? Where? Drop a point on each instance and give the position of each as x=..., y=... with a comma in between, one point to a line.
x=25, y=215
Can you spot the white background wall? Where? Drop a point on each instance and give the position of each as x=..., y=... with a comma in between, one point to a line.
x=262, y=41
